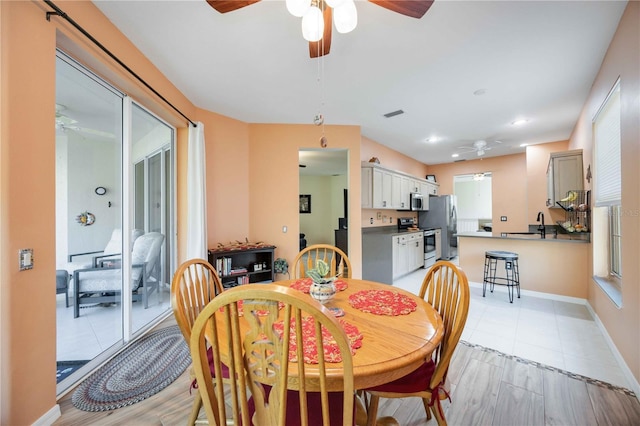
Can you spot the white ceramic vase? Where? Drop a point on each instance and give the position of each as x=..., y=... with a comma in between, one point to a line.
x=322, y=291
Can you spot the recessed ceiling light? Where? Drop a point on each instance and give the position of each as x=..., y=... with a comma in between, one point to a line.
x=455, y=155
x=480, y=92
x=519, y=122
x=432, y=139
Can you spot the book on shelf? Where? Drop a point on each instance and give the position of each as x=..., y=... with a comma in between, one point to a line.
x=240, y=270
x=223, y=266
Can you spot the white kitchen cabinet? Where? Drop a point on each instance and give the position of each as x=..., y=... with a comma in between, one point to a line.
x=408, y=253
x=429, y=188
x=366, y=187
x=397, y=187
x=388, y=189
x=381, y=190
x=564, y=173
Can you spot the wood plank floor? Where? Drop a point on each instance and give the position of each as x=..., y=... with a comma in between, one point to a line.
x=487, y=388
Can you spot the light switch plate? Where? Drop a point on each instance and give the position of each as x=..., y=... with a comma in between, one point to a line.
x=26, y=259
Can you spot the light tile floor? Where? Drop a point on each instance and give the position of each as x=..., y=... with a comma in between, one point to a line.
x=99, y=327
x=556, y=333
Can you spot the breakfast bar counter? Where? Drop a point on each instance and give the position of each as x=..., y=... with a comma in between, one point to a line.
x=550, y=265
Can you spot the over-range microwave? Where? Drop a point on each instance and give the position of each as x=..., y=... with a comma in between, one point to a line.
x=416, y=201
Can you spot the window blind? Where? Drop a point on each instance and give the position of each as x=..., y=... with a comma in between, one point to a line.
x=606, y=130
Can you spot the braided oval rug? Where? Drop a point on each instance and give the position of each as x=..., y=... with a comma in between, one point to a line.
x=140, y=371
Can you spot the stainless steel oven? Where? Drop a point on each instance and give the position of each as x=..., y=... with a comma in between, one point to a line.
x=429, y=248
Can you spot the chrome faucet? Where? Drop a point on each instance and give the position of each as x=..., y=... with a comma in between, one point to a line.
x=541, y=227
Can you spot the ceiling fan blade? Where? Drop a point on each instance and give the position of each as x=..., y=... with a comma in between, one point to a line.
x=224, y=6
x=322, y=47
x=412, y=8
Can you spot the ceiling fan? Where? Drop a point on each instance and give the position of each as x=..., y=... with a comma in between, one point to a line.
x=479, y=147
x=65, y=123
x=412, y=8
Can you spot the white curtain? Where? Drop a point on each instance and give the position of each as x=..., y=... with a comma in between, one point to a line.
x=196, y=194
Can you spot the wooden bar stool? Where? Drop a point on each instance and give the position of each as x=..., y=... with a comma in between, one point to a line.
x=511, y=277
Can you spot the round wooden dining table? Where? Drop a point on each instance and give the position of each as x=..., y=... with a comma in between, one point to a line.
x=392, y=345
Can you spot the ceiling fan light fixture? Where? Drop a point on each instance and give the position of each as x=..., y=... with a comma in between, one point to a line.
x=313, y=24
x=345, y=17
x=298, y=8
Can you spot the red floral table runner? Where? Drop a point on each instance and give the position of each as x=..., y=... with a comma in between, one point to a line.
x=382, y=302
x=331, y=349
x=303, y=285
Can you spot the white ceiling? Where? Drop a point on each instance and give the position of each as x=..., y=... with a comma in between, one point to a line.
x=534, y=60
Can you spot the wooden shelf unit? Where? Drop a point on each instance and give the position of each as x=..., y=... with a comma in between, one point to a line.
x=255, y=265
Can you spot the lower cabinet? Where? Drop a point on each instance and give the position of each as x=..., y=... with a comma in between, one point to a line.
x=248, y=266
x=408, y=253
x=386, y=257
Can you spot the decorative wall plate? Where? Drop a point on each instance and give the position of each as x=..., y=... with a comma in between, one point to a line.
x=86, y=219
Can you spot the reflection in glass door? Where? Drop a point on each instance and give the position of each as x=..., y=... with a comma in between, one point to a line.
x=89, y=213
x=151, y=152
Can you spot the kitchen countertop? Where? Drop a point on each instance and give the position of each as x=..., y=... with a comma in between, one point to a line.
x=561, y=238
x=388, y=230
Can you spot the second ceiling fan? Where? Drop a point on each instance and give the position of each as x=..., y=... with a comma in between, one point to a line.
x=412, y=8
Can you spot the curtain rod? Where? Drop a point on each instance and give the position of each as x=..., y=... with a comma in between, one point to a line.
x=59, y=12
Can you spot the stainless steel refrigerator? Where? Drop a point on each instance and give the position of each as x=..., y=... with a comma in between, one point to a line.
x=442, y=214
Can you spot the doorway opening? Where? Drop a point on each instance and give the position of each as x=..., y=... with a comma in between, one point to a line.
x=324, y=181
x=473, y=193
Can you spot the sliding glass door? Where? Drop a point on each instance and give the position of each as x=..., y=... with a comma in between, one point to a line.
x=153, y=189
x=114, y=217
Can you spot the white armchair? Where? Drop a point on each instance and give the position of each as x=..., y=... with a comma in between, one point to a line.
x=111, y=250
x=103, y=285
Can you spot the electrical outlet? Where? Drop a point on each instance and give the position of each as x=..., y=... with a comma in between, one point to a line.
x=371, y=221
x=503, y=218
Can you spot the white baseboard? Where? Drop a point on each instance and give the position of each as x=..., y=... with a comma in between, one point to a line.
x=49, y=417
x=635, y=386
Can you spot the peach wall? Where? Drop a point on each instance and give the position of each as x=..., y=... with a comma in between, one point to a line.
x=273, y=177
x=28, y=345
x=563, y=272
x=622, y=59
x=27, y=93
x=227, y=150
x=509, y=186
x=392, y=159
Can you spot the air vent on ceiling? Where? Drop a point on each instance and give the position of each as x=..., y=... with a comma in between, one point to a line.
x=394, y=113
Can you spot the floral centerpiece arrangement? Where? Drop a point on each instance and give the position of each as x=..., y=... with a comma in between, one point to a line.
x=323, y=288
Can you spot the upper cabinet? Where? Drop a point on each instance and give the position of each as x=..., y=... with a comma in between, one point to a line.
x=564, y=174
x=389, y=189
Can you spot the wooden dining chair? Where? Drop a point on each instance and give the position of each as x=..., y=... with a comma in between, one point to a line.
x=336, y=259
x=239, y=326
x=446, y=288
x=194, y=285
